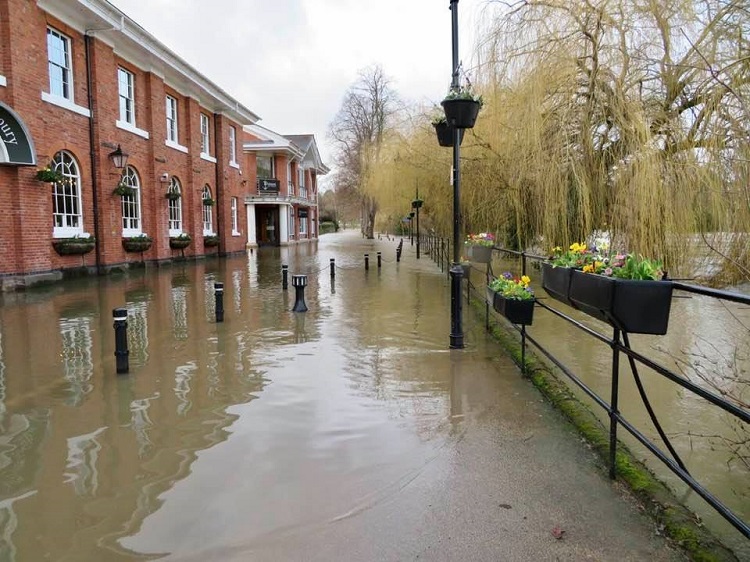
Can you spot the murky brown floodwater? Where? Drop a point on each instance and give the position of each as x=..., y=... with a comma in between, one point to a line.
x=272, y=426
x=703, y=332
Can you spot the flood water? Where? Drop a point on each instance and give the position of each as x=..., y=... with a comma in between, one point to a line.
x=267, y=426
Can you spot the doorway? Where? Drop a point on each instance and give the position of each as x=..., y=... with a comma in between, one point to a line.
x=267, y=226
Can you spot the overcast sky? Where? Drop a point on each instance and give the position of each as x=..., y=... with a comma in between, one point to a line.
x=291, y=61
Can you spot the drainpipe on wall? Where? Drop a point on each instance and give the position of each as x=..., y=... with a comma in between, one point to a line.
x=217, y=139
x=94, y=184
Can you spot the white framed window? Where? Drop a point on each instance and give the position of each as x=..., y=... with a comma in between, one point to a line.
x=66, y=197
x=232, y=145
x=126, y=90
x=208, y=205
x=175, y=207
x=302, y=226
x=235, y=229
x=265, y=167
x=172, y=133
x=290, y=183
x=205, y=135
x=60, y=64
x=301, y=182
x=131, y=204
x=292, y=229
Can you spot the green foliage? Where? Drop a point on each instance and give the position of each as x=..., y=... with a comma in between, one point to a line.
x=513, y=287
x=327, y=227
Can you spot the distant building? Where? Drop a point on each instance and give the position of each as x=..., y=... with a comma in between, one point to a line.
x=82, y=84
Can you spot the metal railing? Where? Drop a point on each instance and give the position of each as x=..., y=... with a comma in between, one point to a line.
x=620, y=346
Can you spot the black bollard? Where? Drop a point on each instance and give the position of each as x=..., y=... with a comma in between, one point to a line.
x=379, y=258
x=299, y=282
x=284, y=277
x=367, y=262
x=219, y=295
x=333, y=268
x=120, y=316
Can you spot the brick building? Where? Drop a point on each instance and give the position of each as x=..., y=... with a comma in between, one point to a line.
x=81, y=84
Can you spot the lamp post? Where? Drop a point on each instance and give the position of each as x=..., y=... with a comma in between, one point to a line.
x=411, y=227
x=456, y=335
x=416, y=204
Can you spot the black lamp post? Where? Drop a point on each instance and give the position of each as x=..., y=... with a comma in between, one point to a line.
x=416, y=204
x=411, y=227
x=457, y=333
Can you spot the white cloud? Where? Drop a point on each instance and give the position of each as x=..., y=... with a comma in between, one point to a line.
x=291, y=61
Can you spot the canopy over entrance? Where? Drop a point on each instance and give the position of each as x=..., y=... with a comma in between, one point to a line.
x=16, y=147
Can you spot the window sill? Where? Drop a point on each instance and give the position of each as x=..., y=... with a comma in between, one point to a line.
x=208, y=158
x=65, y=104
x=209, y=233
x=132, y=233
x=177, y=146
x=234, y=165
x=70, y=233
x=131, y=129
x=235, y=233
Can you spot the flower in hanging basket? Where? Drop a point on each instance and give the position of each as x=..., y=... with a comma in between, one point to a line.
x=49, y=175
x=210, y=240
x=208, y=202
x=173, y=195
x=512, y=297
x=417, y=203
x=481, y=239
x=123, y=190
x=464, y=93
x=138, y=243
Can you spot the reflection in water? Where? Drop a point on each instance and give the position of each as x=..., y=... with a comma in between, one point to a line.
x=83, y=454
x=179, y=313
x=8, y=525
x=77, y=363
x=182, y=376
x=138, y=333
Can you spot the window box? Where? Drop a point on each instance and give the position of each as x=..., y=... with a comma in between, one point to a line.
x=479, y=254
x=74, y=245
x=137, y=243
x=210, y=241
x=515, y=310
x=556, y=281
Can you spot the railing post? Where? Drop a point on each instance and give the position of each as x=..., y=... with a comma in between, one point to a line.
x=284, y=277
x=333, y=268
x=120, y=316
x=613, y=405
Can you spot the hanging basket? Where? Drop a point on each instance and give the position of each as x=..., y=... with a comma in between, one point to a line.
x=210, y=241
x=417, y=203
x=445, y=134
x=556, y=281
x=479, y=254
x=461, y=113
x=179, y=242
x=516, y=311
x=136, y=244
x=73, y=246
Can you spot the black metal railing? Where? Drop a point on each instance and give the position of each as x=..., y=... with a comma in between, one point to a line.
x=620, y=345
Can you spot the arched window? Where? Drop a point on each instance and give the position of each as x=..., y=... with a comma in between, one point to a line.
x=131, y=204
x=208, y=217
x=66, y=197
x=174, y=194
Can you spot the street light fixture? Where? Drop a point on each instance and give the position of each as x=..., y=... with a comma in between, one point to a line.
x=119, y=158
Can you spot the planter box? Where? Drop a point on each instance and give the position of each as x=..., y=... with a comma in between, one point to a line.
x=556, y=281
x=445, y=134
x=479, y=254
x=136, y=244
x=467, y=270
x=210, y=241
x=461, y=114
x=634, y=306
x=516, y=311
x=67, y=247
x=179, y=243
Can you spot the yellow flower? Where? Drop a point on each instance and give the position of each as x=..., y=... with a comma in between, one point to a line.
x=578, y=248
x=588, y=268
x=525, y=280
x=597, y=264
x=557, y=249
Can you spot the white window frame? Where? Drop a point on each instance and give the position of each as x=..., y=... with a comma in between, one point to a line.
x=301, y=182
x=235, y=220
x=205, y=135
x=174, y=208
x=131, y=204
x=67, y=66
x=208, y=216
x=271, y=158
x=173, y=134
x=126, y=95
x=233, y=147
x=292, y=227
x=68, y=221
x=302, y=226
x=290, y=182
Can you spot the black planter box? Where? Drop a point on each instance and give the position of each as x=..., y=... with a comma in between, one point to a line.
x=516, y=311
x=634, y=306
x=461, y=114
x=445, y=134
x=556, y=281
x=479, y=254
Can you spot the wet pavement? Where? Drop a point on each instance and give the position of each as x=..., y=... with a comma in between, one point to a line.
x=349, y=432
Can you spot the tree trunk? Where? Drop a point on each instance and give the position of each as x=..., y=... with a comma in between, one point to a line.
x=369, y=210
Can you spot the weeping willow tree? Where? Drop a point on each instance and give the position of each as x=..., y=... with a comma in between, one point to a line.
x=620, y=116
